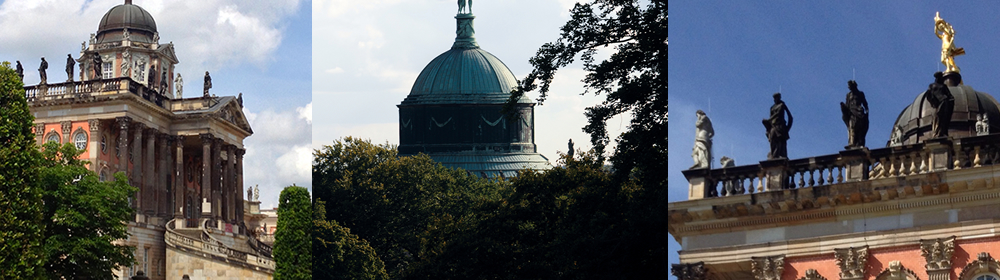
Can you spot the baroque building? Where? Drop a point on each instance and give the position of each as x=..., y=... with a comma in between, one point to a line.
x=185, y=155
x=453, y=112
x=923, y=207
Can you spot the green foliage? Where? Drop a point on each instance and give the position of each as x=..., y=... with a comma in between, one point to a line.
x=340, y=254
x=407, y=208
x=20, y=198
x=633, y=79
x=83, y=216
x=292, y=241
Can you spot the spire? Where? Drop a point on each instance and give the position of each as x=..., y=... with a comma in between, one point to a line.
x=465, y=33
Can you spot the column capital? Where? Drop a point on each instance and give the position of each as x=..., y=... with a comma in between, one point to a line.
x=67, y=127
x=95, y=125
x=206, y=137
x=852, y=262
x=767, y=268
x=689, y=271
x=938, y=252
x=177, y=140
x=139, y=126
x=39, y=129
x=165, y=137
x=123, y=122
x=240, y=152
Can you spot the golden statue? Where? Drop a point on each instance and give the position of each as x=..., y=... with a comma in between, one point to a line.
x=944, y=31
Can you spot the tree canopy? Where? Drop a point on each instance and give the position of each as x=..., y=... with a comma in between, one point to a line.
x=82, y=217
x=633, y=78
x=21, y=254
x=340, y=254
x=292, y=240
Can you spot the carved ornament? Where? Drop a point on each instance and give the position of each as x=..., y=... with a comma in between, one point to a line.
x=852, y=262
x=812, y=274
x=984, y=263
x=689, y=271
x=938, y=252
x=767, y=268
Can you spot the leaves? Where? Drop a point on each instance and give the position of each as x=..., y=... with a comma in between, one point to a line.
x=292, y=240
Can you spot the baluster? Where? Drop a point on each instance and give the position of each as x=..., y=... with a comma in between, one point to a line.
x=914, y=157
x=802, y=182
x=977, y=161
x=904, y=166
x=760, y=182
x=840, y=174
x=829, y=175
x=958, y=158
x=811, y=181
x=925, y=158
x=892, y=166
x=820, y=176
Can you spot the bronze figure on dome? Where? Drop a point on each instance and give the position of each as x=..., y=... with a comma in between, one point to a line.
x=939, y=96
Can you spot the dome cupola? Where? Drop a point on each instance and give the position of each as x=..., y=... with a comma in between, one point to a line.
x=914, y=122
x=137, y=21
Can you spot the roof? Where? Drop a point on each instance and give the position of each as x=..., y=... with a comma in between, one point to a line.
x=489, y=164
x=916, y=118
x=136, y=19
x=465, y=74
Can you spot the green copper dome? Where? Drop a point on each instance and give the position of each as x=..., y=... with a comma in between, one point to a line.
x=465, y=74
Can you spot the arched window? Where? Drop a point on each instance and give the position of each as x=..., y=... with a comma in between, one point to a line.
x=103, y=176
x=80, y=139
x=104, y=144
x=988, y=276
x=53, y=137
x=984, y=267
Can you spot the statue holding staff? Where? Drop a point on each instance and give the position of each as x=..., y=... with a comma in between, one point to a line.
x=946, y=33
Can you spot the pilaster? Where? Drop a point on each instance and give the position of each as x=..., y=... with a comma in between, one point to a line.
x=937, y=253
x=206, y=178
x=149, y=172
x=135, y=158
x=239, y=184
x=179, y=177
x=230, y=183
x=217, y=178
x=123, y=124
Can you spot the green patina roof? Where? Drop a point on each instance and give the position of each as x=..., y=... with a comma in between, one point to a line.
x=465, y=74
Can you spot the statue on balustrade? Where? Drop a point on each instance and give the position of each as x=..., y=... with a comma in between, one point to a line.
x=943, y=102
x=777, y=129
x=19, y=70
x=70, y=63
x=98, y=63
x=208, y=83
x=41, y=71
x=729, y=187
x=179, y=86
x=855, y=114
x=702, y=151
x=982, y=125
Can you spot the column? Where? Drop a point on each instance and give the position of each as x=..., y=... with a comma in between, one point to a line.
x=95, y=143
x=206, y=177
x=230, y=181
x=179, y=178
x=767, y=268
x=162, y=176
x=149, y=173
x=39, y=134
x=136, y=159
x=217, y=179
x=123, y=124
x=239, y=185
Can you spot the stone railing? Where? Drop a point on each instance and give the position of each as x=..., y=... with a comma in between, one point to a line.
x=83, y=89
x=855, y=165
x=260, y=246
x=214, y=247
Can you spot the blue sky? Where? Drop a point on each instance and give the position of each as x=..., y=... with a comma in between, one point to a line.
x=258, y=48
x=729, y=57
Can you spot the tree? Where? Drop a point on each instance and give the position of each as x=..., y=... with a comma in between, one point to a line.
x=406, y=207
x=21, y=255
x=633, y=79
x=292, y=241
x=83, y=217
x=340, y=254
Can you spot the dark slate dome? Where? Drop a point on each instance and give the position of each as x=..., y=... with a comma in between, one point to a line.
x=915, y=120
x=137, y=20
x=463, y=76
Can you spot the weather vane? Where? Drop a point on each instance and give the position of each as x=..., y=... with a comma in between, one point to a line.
x=944, y=31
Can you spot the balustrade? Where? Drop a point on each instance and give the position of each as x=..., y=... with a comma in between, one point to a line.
x=890, y=162
x=45, y=92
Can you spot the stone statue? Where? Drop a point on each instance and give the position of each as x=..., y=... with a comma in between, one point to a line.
x=727, y=162
x=982, y=125
x=163, y=81
x=777, y=130
x=208, y=83
x=897, y=136
x=944, y=31
x=179, y=86
x=126, y=61
x=855, y=114
x=70, y=63
x=83, y=46
x=19, y=70
x=41, y=71
x=156, y=37
x=256, y=193
x=151, y=77
x=702, y=151
x=239, y=99
x=571, y=151
x=93, y=38
x=463, y=6
x=943, y=102
x=98, y=63
x=125, y=35
x=249, y=193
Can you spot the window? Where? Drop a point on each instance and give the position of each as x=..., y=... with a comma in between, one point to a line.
x=145, y=261
x=53, y=137
x=103, y=176
x=104, y=144
x=80, y=140
x=986, y=277
x=140, y=71
x=107, y=70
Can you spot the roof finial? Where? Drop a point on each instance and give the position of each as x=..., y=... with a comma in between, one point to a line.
x=465, y=33
x=128, y=2
x=463, y=6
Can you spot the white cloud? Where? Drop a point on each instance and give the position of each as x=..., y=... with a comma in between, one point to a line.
x=306, y=113
x=207, y=34
x=336, y=70
x=278, y=154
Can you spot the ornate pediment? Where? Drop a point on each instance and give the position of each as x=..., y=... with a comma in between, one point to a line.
x=896, y=271
x=812, y=274
x=232, y=113
x=167, y=51
x=852, y=262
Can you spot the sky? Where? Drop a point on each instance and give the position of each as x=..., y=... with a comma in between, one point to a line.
x=258, y=48
x=367, y=54
x=730, y=56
